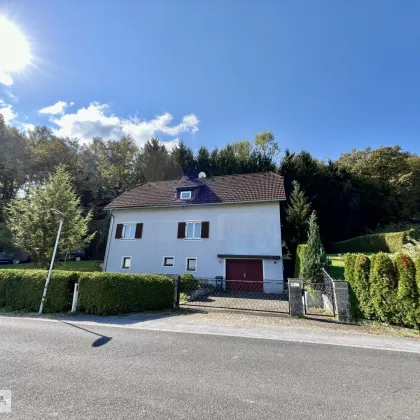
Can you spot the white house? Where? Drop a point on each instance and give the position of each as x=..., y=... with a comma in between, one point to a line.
x=224, y=226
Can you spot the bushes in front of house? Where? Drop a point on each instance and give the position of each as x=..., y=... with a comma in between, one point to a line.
x=378, y=242
x=188, y=283
x=22, y=290
x=99, y=293
x=115, y=293
x=384, y=289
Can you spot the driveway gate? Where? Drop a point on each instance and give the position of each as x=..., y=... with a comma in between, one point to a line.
x=266, y=295
x=318, y=298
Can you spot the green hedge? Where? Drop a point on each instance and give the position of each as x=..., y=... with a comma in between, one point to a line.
x=22, y=290
x=385, y=290
x=378, y=242
x=188, y=283
x=408, y=296
x=361, y=286
x=300, y=257
x=114, y=293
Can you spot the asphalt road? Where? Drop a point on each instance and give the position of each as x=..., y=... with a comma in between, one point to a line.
x=60, y=371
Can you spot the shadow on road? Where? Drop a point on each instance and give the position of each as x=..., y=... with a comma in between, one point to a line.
x=102, y=340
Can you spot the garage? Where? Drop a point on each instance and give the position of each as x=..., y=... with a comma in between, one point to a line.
x=245, y=275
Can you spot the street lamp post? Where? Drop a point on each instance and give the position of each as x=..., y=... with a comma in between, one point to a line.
x=62, y=216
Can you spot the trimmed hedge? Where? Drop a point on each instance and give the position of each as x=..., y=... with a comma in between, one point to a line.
x=22, y=290
x=386, y=290
x=361, y=285
x=383, y=287
x=300, y=257
x=115, y=293
x=349, y=267
x=378, y=242
x=188, y=283
x=408, y=296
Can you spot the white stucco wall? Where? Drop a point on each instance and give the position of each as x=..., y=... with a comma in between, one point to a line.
x=248, y=229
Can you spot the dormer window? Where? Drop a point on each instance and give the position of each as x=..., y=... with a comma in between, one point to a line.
x=185, y=195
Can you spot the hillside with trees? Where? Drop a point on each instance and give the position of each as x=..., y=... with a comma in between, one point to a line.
x=361, y=192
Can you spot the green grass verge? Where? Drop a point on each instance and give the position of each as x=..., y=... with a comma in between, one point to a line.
x=85, y=266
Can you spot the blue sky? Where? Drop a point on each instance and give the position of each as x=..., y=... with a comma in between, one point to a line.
x=325, y=76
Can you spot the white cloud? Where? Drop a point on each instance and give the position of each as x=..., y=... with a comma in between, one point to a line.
x=97, y=120
x=56, y=109
x=7, y=111
x=5, y=78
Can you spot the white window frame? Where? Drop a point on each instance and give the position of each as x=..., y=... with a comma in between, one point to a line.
x=186, y=264
x=188, y=193
x=193, y=222
x=133, y=226
x=163, y=261
x=122, y=263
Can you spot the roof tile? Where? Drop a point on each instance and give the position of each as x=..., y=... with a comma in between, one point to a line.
x=261, y=186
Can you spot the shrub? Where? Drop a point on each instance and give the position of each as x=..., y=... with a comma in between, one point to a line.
x=362, y=286
x=22, y=290
x=378, y=242
x=300, y=258
x=383, y=287
x=188, y=283
x=349, y=266
x=114, y=293
x=407, y=291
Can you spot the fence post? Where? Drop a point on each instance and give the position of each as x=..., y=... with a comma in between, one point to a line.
x=295, y=297
x=342, y=300
x=177, y=291
x=75, y=297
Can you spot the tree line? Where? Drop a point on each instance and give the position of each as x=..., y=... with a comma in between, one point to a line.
x=362, y=191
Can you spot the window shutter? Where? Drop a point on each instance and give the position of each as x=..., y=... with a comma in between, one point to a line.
x=181, y=230
x=139, y=230
x=205, y=227
x=118, y=231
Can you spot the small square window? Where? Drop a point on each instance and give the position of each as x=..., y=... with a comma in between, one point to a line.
x=185, y=195
x=126, y=262
x=168, y=261
x=191, y=264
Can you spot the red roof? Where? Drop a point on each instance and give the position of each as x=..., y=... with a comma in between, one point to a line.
x=243, y=188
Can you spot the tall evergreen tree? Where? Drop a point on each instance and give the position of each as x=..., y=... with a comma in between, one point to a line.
x=34, y=225
x=297, y=215
x=315, y=257
x=203, y=163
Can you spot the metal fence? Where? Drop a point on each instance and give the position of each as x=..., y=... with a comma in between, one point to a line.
x=319, y=297
x=267, y=295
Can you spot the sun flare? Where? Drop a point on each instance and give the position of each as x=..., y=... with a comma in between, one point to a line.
x=15, y=53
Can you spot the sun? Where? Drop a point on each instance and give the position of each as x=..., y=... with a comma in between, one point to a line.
x=15, y=52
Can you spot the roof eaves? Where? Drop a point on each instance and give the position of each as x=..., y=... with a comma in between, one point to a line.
x=160, y=206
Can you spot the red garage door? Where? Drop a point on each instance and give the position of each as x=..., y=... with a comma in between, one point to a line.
x=246, y=275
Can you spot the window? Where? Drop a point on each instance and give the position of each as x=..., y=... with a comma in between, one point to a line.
x=129, y=231
x=126, y=263
x=193, y=230
x=191, y=264
x=168, y=261
x=185, y=195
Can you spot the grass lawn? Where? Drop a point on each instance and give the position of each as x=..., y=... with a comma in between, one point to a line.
x=88, y=265
x=336, y=270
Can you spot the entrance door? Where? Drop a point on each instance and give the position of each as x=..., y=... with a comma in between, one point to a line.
x=246, y=275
